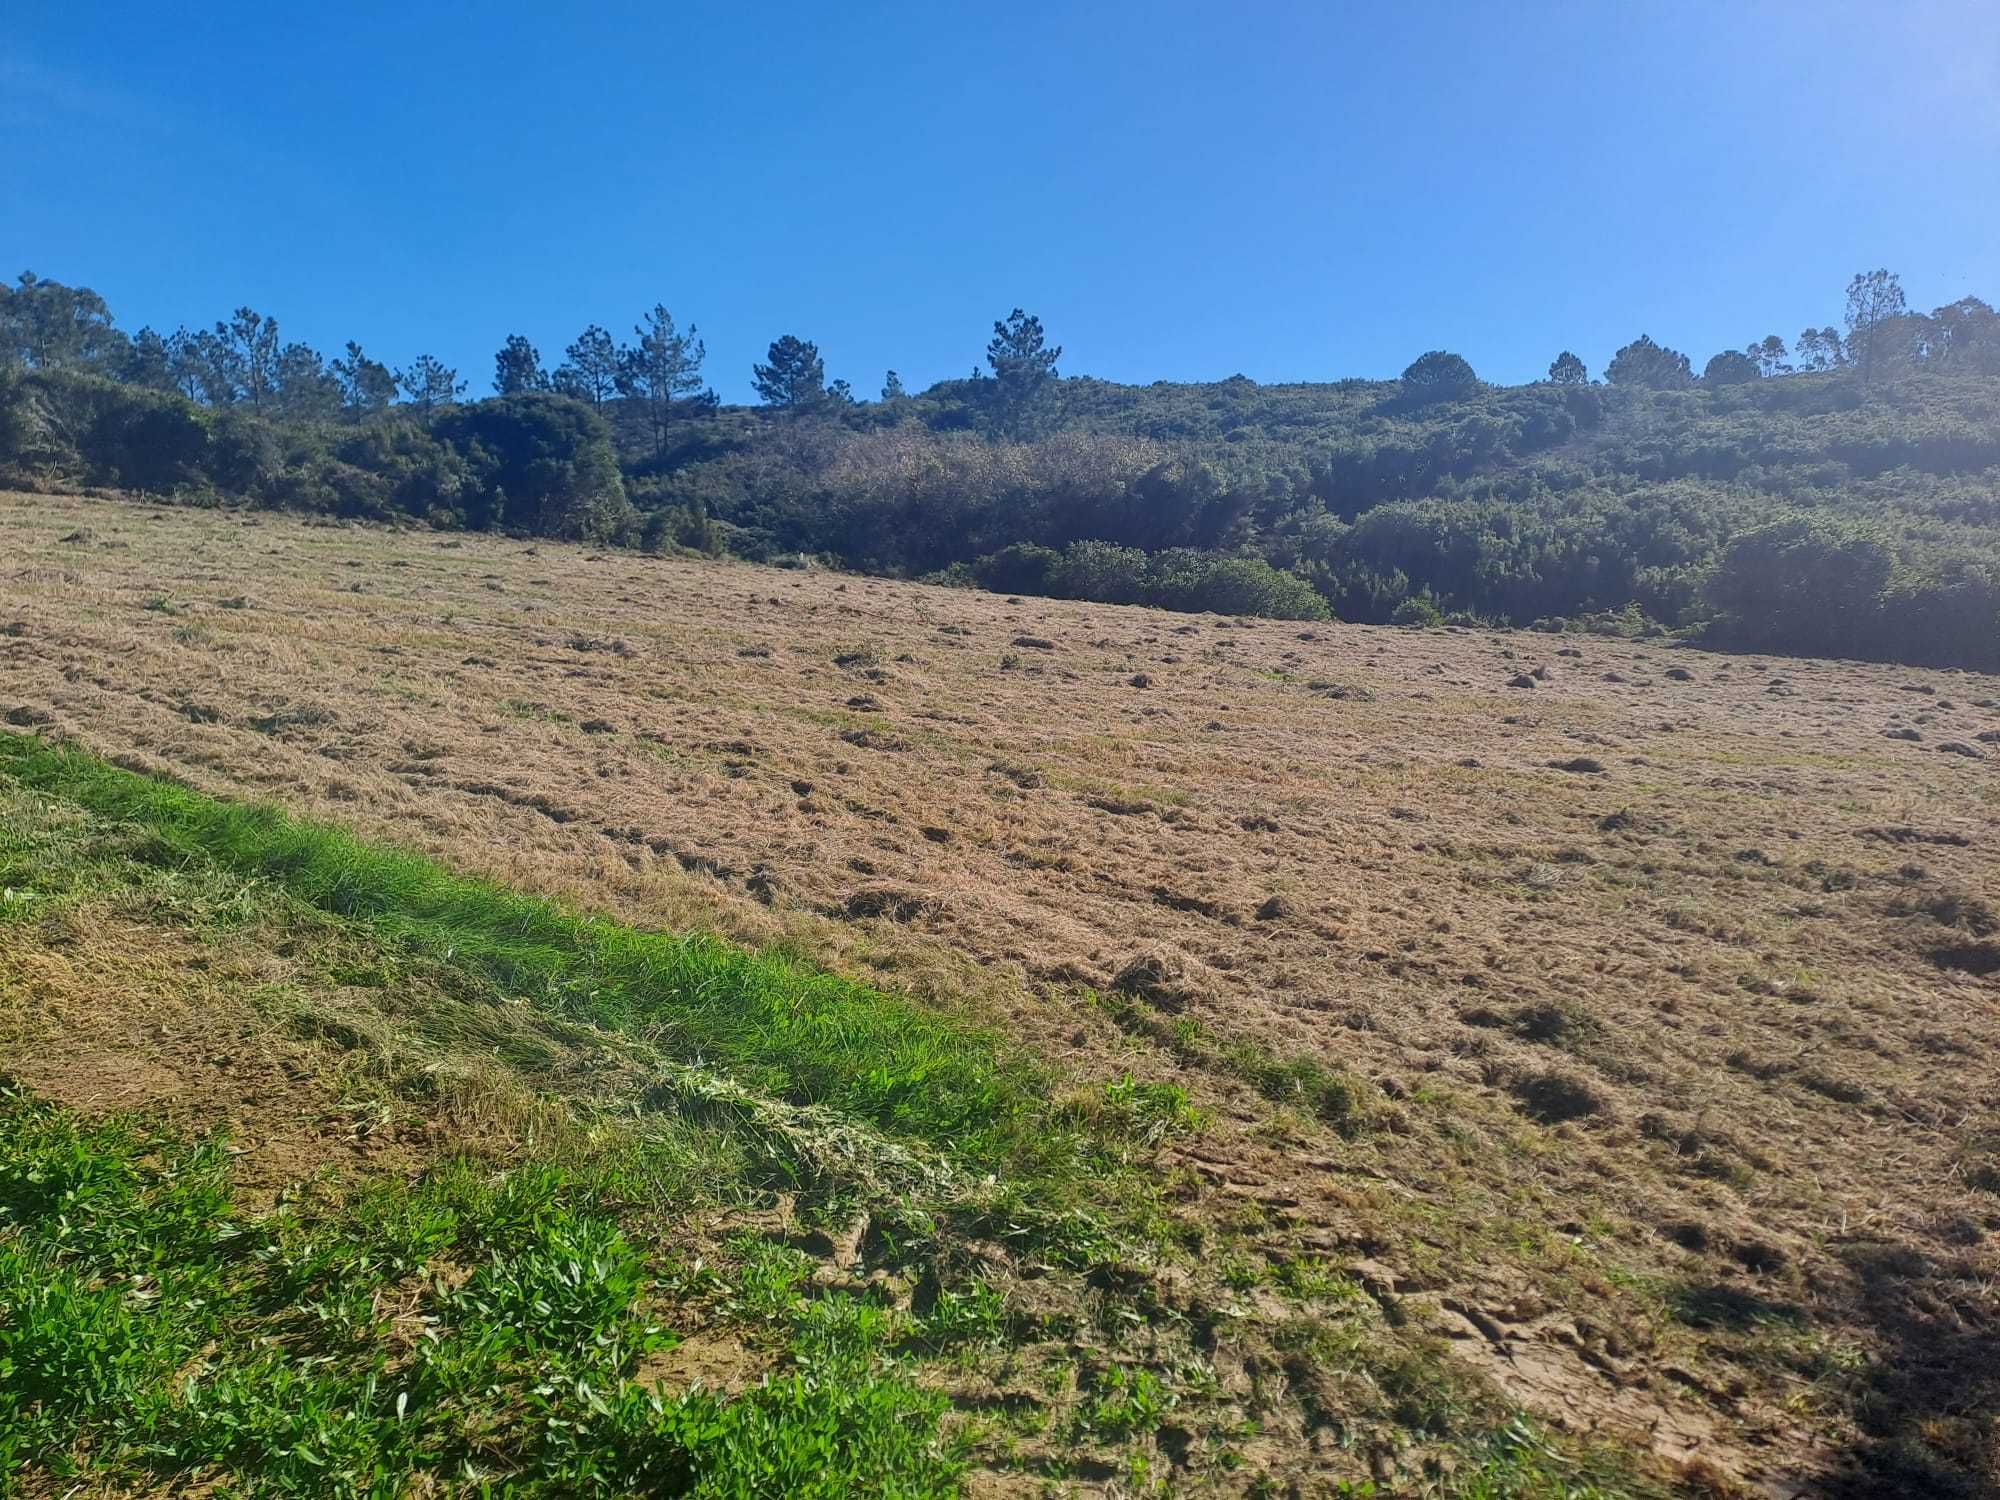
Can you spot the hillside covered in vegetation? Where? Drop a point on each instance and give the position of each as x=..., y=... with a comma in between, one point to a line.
x=1838, y=495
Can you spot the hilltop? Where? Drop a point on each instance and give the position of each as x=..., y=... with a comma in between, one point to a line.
x=1837, y=499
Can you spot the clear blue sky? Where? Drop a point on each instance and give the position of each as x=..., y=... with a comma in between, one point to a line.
x=1180, y=190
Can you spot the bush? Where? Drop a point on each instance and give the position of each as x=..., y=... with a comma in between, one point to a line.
x=1188, y=580
x=1105, y=572
x=1802, y=584
x=542, y=464
x=1731, y=368
x=64, y=424
x=681, y=526
x=1180, y=578
x=1023, y=568
x=1645, y=363
x=245, y=455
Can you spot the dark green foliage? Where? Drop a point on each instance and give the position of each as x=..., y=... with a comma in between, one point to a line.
x=429, y=383
x=1770, y=355
x=45, y=325
x=1821, y=349
x=1418, y=610
x=1875, y=306
x=100, y=431
x=1439, y=376
x=1181, y=578
x=1645, y=363
x=1823, y=587
x=207, y=366
x=1024, y=367
x=795, y=378
x=1186, y=579
x=1964, y=338
x=517, y=368
x=366, y=385
x=661, y=373
x=1552, y=501
x=303, y=387
x=1567, y=369
x=589, y=370
x=540, y=463
x=253, y=338
x=1731, y=368
x=148, y=361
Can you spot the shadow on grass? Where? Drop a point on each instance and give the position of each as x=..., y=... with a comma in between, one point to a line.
x=1714, y=1304
x=1930, y=1415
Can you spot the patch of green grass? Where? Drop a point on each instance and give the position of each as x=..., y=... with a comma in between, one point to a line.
x=1120, y=1403
x=1302, y=1082
x=1518, y=1462
x=974, y=1314
x=471, y=1328
x=539, y=713
x=784, y=1030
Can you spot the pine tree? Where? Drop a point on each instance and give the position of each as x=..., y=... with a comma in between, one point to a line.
x=366, y=385
x=660, y=370
x=518, y=367
x=795, y=378
x=430, y=383
x=1023, y=368
x=1873, y=299
x=589, y=370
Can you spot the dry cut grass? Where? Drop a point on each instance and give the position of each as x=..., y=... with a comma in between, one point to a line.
x=1626, y=1013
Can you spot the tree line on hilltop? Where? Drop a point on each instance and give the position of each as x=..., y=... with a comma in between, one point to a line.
x=1835, y=494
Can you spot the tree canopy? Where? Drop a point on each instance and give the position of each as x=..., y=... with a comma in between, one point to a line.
x=517, y=368
x=795, y=378
x=1731, y=368
x=1439, y=376
x=1645, y=363
x=1024, y=365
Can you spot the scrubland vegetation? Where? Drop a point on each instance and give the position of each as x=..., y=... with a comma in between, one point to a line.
x=1833, y=495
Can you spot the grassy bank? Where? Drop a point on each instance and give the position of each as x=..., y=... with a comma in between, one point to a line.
x=782, y=1029
x=418, y=1184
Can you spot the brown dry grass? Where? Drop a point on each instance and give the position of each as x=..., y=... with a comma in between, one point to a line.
x=1679, y=1073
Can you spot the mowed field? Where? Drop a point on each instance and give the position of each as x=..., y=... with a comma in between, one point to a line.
x=1625, y=1019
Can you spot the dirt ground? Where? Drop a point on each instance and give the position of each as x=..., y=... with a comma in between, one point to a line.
x=1670, y=981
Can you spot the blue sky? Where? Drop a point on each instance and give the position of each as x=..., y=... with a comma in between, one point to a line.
x=1181, y=191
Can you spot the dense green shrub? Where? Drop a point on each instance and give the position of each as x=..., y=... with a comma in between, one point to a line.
x=540, y=463
x=1181, y=578
x=63, y=424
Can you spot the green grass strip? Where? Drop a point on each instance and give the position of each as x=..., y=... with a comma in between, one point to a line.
x=783, y=1028
x=152, y=1340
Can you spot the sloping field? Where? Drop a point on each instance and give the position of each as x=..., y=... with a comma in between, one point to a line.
x=1615, y=1024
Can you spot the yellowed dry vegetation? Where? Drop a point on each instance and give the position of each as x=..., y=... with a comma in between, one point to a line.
x=1668, y=987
